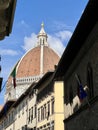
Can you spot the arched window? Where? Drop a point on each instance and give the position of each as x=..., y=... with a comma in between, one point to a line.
x=90, y=80
x=40, y=41
x=43, y=41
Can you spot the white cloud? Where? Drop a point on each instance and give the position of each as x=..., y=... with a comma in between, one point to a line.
x=29, y=42
x=64, y=35
x=56, y=44
x=59, y=25
x=56, y=41
x=23, y=23
x=8, y=52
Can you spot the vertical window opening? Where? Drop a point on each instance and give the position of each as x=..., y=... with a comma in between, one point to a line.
x=90, y=80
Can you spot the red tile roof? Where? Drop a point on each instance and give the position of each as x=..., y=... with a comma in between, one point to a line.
x=29, y=64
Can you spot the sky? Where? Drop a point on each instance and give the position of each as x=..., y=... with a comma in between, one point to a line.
x=60, y=18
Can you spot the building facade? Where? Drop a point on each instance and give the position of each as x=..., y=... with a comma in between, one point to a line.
x=66, y=98
x=32, y=66
x=41, y=107
x=7, y=10
x=35, y=105
x=79, y=71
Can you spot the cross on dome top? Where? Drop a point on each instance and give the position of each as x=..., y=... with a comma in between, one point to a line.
x=42, y=25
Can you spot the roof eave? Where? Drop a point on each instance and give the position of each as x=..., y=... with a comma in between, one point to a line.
x=83, y=29
x=7, y=17
x=11, y=19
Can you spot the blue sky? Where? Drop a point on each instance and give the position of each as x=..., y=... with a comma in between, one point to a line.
x=60, y=18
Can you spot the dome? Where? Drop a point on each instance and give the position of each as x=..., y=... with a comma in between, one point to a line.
x=30, y=64
x=34, y=64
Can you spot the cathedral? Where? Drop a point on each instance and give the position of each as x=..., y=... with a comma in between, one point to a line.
x=31, y=97
x=65, y=97
x=32, y=66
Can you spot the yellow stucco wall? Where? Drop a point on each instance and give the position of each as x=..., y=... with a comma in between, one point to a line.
x=59, y=105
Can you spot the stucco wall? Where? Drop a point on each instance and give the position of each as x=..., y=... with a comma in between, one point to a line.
x=87, y=54
x=59, y=105
x=86, y=119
